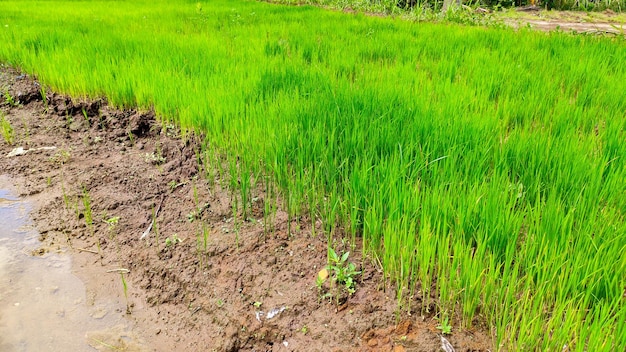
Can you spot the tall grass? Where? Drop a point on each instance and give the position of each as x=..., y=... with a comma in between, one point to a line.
x=483, y=168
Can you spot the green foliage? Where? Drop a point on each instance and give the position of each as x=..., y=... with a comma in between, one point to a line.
x=342, y=272
x=125, y=288
x=482, y=167
x=444, y=325
x=6, y=129
x=172, y=241
x=429, y=7
x=86, y=200
x=8, y=98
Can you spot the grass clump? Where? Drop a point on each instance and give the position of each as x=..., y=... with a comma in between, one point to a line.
x=482, y=167
x=8, y=133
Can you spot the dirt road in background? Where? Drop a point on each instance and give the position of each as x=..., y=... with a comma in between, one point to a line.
x=606, y=22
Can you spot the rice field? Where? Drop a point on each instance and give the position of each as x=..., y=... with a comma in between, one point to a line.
x=483, y=168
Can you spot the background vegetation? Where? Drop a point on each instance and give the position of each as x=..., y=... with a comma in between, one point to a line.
x=483, y=168
x=388, y=6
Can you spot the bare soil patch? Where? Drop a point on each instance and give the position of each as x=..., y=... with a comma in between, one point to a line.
x=606, y=22
x=124, y=169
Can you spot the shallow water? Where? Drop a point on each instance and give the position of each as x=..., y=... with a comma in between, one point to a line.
x=43, y=306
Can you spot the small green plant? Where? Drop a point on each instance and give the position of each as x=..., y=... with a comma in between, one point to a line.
x=154, y=158
x=304, y=330
x=257, y=304
x=86, y=116
x=444, y=325
x=219, y=303
x=171, y=130
x=125, y=287
x=342, y=275
x=68, y=120
x=61, y=157
x=86, y=200
x=44, y=99
x=197, y=213
x=343, y=272
x=9, y=99
x=131, y=137
x=6, y=129
x=174, y=240
x=112, y=223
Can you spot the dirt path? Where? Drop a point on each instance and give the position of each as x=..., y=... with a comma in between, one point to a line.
x=579, y=27
x=197, y=281
x=607, y=22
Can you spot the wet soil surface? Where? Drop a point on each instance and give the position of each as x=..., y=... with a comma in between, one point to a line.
x=199, y=280
x=43, y=306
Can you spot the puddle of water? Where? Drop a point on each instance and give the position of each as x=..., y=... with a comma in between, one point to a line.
x=43, y=306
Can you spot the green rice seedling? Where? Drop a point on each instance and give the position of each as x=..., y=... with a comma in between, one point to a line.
x=86, y=200
x=44, y=99
x=86, y=116
x=245, y=193
x=6, y=129
x=87, y=215
x=205, y=237
x=153, y=158
x=125, y=288
x=8, y=98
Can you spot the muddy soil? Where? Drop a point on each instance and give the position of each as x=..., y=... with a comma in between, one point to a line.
x=199, y=280
x=43, y=306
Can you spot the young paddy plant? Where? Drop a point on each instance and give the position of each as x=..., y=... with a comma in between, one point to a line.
x=125, y=289
x=9, y=99
x=483, y=169
x=8, y=133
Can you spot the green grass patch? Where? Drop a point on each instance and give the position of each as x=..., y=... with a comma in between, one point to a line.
x=484, y=167
x=7, y=131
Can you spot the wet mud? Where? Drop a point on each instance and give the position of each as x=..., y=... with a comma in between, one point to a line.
x=43, y=306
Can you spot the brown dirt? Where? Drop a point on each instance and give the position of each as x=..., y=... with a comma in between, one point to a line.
x=607, y=22
x=182, y=297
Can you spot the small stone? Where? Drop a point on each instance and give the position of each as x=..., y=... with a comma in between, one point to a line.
x=372, y=343
x=399, y=348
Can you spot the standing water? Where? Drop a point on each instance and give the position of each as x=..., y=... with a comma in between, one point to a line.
x=43, y=306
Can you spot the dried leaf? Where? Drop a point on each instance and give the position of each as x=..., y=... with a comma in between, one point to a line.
x=323, y=275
